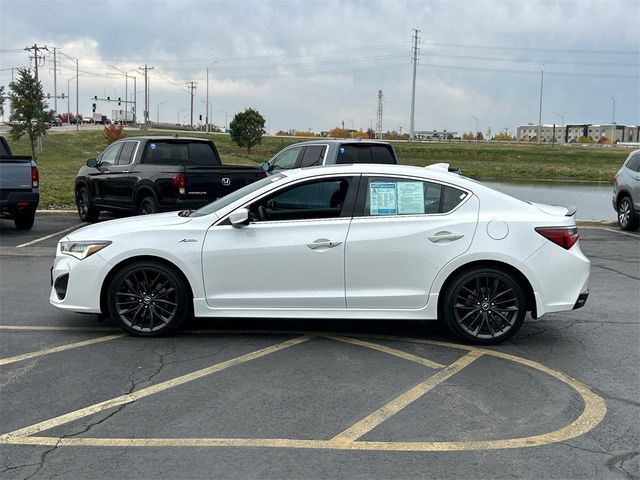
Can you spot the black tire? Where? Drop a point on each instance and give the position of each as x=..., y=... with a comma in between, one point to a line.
x=484, y=306
x=627, y=216
x=25, y=221
x=87, y=211
x=148, y=299
x=147, y=206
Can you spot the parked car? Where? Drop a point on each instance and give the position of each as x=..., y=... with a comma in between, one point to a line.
x=348, y=241
x=154, y=174
x=19, y=187
x=626, y=192
x=330, y=152
x=55, y=122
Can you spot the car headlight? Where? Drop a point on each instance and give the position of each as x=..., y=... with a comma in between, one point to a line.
x=82, y=250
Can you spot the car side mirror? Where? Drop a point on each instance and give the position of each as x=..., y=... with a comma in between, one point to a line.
x=239, y=218
x=265, y=166
x=92, y=162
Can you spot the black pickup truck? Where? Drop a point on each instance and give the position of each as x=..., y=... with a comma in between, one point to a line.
x=153, y=174
x=19, y=187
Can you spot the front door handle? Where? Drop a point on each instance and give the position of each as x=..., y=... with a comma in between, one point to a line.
x=322, y=243
x=445, y=236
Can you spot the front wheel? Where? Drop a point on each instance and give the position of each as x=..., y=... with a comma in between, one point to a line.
x=627, y=219
x=148, y=299
x=484, y=306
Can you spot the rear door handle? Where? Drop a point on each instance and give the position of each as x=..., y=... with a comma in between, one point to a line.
x=445, y=236
x=322, y=243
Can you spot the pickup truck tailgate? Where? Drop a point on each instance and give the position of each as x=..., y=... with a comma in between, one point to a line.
x=15, y=174
x=205, y=182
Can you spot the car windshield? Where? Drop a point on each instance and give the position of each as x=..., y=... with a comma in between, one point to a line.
x=238, y=194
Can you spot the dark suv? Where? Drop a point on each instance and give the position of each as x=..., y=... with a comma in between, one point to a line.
x=626, y=192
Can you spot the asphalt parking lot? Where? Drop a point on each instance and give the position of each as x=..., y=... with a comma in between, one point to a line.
x=317, y=399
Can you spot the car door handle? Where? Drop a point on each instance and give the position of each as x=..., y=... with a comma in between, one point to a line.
x=106, y=171
x=445, y=236
x=322, y=243
x=125, y=171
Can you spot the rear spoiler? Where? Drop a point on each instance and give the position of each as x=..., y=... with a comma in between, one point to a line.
x=444, y=167
x=571, y=210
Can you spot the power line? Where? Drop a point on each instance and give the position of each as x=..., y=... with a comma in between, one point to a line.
x=536, y=49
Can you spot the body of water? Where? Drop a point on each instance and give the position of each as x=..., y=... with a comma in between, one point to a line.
x=593, y=200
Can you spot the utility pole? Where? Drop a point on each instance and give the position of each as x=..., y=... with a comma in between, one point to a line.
x=540, y=112
x=413, y=85
x=146, y=96
x=379, y=115
x=55, y=82
x=476, y=132
x=192, y=88
x=35, y=49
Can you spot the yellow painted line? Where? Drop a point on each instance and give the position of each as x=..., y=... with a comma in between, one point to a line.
x=374, y=419
x=37, y=240
x=145, y=392
x=391, y=351
x=46, y=328
x=60, y=348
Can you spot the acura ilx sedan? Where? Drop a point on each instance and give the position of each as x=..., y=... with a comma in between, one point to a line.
x=351, y=241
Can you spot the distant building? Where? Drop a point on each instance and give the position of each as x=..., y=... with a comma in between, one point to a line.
x=572, y=132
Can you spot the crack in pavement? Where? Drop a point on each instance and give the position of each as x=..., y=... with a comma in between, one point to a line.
x=616, y=464
x=632, y=277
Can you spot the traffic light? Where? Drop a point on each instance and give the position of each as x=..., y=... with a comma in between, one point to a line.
x=108, y=99
x=95, y=97
x=62, y=95
x=200, y=117
x=48, y=95
x=94, y=108
x=118, y=100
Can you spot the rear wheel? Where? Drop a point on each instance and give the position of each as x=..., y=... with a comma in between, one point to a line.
x=24, y=221
x=87, y=211
x=148, y=299
x=627, y=218
x=148, y=205
x=484, y=305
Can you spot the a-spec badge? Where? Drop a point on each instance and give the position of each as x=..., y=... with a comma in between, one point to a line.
x=188, y=240
x=226, y=181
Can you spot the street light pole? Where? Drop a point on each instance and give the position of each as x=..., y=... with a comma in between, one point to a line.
x=540, y=111
x=179, y=112
x=207, y=115
x=351, y=126
x=158, y=111
x=562, y=120
x=473, y=116
x=613, y=119
x=225, y=118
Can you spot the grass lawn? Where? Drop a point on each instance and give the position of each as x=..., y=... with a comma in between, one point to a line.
x=64, y=153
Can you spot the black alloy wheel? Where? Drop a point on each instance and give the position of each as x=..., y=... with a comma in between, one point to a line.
x=148, y=205
x=148, y=299
x=626, y=215
x=86, y=210
x=485, y=306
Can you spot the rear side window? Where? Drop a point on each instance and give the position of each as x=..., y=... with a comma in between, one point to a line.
x=634, y=163
x=313, y=155
x=399, y=196
x=126, y=153
x=180, y=153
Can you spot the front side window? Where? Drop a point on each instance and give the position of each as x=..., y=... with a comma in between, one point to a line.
x=400, y=196
x=309, y=200
x=110, y=155
x=286, y=159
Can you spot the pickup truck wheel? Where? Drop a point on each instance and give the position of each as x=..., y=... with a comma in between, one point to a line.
x=147, y=206
x=24, y=221
x=86, y=209
x=148, y=299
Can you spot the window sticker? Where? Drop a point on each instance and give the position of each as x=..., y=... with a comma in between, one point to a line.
x=152, y=146
x=410, y=198
x=383, y=198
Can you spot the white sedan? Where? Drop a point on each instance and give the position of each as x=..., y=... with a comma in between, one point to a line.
x=349, y=241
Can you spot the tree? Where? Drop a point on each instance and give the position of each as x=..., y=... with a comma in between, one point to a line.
x=338, y=133
x=247, y=128
x=112, y=132
x=28, y=109
x=2, y=100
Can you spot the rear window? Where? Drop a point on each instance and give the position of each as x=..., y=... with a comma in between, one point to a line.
x=181, y=153
x=634, y=163
x=365, y=154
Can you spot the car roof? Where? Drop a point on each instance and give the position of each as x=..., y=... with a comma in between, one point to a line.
x=333, y=141
x=165, y=137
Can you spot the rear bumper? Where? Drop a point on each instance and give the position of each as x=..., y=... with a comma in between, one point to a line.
x=19, y=203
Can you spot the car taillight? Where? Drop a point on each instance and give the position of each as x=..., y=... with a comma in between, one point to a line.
x=35, y=177
x=566, y=237
x=180, y=183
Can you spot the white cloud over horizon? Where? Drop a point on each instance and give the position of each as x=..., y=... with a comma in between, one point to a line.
x=314, y=64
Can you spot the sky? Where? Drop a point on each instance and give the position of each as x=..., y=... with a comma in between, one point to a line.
x=314, y=64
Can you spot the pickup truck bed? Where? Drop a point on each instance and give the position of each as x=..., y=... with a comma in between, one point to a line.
x=19, y=192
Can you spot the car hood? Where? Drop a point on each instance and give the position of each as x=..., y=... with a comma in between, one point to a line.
x=107, y=230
